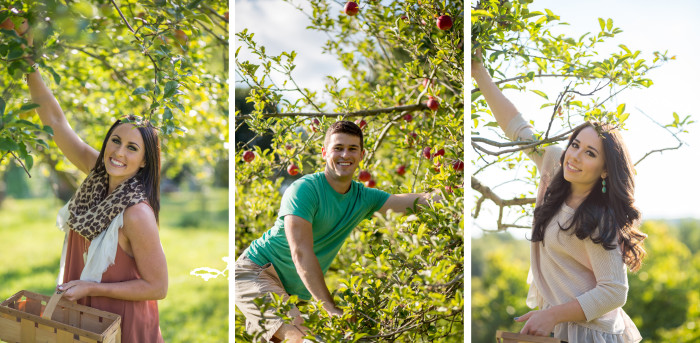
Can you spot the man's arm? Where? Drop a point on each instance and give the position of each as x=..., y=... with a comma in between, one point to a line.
x=301, y=242
x=401, y=202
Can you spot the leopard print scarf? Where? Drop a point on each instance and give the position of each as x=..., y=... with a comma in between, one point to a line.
x=92, y=209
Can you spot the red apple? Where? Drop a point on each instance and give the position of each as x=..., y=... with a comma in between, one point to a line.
x=440, y=152
x=371, y=184
x=432, y=103
x=426, y=152
x=7, y=24
x=180, y=36
x=444, y=22
x=412, y=137
x=401, y=170
x=288, y=146
x=226, y=16
x=404, y=17
x=364, y=176
x=293, y=169
x=315, y=125
x=248, y=156
x=448, y=189
x=407, y=117
x=428, y=82
x=458, y=165
x=351, y=8
x=361, y=123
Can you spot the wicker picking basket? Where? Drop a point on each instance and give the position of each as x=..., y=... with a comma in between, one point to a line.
x=29, y=317
x=509, y=337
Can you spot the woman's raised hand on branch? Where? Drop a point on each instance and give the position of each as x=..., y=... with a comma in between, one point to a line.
x=23, y=31
x=477, y=63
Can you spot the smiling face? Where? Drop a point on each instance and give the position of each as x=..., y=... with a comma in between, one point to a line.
x=584, y=160
x=123, y=154
x=342, y=153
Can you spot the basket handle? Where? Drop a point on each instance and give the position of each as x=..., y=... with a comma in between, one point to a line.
x=51, y=305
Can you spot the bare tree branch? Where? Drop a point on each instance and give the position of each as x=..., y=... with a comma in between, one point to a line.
x=487, y=193
x=122, y=15
x=22, y=164
x=527, y=77
x=404, y=108
x=680, y=142
x=531, y=145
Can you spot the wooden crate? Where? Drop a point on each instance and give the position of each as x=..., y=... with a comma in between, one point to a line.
x=509, y=337
x=29, y=317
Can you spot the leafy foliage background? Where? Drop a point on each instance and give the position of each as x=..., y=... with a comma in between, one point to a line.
x=398, y=278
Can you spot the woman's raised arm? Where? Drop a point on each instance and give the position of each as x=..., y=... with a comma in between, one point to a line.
x=78, y=152
x=503, y=110
x=512, y=124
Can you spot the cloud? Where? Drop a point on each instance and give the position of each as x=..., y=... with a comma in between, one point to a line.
x=279, y=27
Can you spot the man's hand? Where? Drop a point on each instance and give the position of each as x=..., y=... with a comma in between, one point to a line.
x=400, y=202
x=332, y=310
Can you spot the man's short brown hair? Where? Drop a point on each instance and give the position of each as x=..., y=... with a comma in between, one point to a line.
x=346, y=127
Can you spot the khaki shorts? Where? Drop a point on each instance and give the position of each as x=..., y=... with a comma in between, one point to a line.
x=253, y=281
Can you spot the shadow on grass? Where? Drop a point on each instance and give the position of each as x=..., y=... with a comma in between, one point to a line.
x=22, y=272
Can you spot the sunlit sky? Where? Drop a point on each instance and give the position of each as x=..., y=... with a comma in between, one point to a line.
x=666, y=183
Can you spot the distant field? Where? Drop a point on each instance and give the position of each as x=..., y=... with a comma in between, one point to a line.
x=194, y=233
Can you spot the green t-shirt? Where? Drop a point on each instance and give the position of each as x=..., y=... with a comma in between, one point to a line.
x=332, y=216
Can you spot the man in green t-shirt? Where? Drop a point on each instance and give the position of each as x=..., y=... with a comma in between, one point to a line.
x=317, y=214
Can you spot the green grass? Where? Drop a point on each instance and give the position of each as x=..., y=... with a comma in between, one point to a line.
x=193, y=231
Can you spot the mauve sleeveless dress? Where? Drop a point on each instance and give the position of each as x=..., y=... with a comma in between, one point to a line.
x=139, y=318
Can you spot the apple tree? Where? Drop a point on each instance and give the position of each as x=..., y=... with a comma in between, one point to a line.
x=165, y=60
x=397, y=278
x=521, y=46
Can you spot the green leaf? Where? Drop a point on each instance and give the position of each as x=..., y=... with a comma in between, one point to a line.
x=54, y=74
x=7, y=144
x=478, y=13
x=27, y=107
x=139, y=91
x=193, y=4
x=48, y=130
x=15, y=52
x=624, y=117
x=620, y=109
x=610, y=22
x=170, y=89
x=29, y=162
x=2, y=107
x=167, y=114
x=540, y=93
x=476, y=95
x=602, y=24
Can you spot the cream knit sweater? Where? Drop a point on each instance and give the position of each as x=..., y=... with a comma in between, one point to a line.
x=565, y=268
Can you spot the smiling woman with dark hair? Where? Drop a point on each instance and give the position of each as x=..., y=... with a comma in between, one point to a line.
x=585, y=232
x=112, y=256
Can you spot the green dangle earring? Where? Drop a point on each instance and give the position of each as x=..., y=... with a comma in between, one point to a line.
x=604, y=189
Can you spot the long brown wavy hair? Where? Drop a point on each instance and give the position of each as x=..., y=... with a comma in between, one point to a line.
x=610, y=218
x=149, y=175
